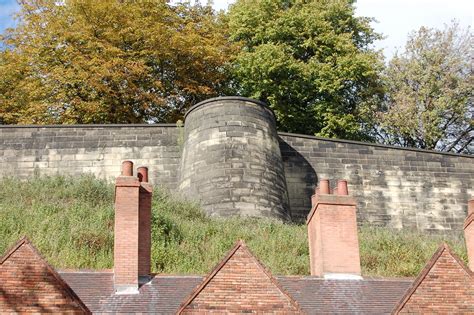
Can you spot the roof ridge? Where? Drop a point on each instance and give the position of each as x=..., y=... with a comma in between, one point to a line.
x=468, y=220
x=14, y=248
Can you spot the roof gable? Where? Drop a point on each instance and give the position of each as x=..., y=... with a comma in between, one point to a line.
x=469, y=220
x=444, y=285
x=29, y=284
x=240, y=283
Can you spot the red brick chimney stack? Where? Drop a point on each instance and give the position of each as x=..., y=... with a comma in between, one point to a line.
x=332, y=233
x=144, y=236
x=469, y=233
x=132, y=243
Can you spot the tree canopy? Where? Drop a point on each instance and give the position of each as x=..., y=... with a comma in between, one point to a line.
x=429, y=100
x=84, y=61
x=310, y=60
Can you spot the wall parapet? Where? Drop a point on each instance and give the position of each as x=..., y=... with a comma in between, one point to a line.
x=394, y=186
x=90, y=126
x=371, y=144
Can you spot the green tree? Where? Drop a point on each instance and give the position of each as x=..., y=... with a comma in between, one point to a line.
x=429, y=101
x=84, y=61
x=311, y=61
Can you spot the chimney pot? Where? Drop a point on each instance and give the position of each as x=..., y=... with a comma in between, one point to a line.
x=142, y=173
x=342, y=188
x=127, y=168
x=324, y=187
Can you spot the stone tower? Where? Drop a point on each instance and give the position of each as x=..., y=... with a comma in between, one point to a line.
x=231, y=161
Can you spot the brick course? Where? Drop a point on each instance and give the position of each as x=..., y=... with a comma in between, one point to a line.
x=144, y=237
x=126, y=233
x=445, y=286
x=332, y=233
x=29, y=285
x=240, y=284
x=469, y=233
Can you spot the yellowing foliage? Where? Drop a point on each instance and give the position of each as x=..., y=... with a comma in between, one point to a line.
x=83, y=61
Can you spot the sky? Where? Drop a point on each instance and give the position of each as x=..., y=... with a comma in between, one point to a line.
x=396, y=18
x=7, y=8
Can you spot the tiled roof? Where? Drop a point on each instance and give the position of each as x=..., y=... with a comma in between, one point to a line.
x=317, y=296
x=92, y=287
x=164, y=294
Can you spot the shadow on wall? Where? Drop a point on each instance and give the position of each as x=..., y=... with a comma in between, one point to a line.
x=301, y=179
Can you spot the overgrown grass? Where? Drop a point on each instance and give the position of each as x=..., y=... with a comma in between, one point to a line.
x=70, y=220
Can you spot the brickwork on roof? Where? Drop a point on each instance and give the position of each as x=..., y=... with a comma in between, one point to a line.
x=28, y=284
x=469, y=237
x=444, y=286
x=240, y=284
x=332, y=235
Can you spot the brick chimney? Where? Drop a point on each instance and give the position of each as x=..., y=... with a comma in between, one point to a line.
x=332, y=233
x=132, y=244
x=469, y=233
x=144, y=233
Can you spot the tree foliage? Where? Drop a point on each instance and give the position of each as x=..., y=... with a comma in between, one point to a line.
x=84, y=61
x=311, y=61
x=429, y=101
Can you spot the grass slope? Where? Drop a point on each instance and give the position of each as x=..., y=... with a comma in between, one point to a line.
x=70, y=220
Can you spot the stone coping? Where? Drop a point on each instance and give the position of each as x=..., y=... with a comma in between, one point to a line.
x=89, y=126
x=371, y=144
x=229, y=98
x=287, y=134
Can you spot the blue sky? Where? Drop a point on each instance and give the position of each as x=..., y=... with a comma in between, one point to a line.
x=396, y=18
x=7, y=8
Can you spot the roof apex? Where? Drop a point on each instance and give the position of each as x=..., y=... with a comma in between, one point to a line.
x=66, y=288
x=15, y=247
x=240, y=244
x=468, y=220
x=425, y=271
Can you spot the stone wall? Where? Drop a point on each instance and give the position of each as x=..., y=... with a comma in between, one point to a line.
x=396, y=187
x=231, y=162
x=96, y=149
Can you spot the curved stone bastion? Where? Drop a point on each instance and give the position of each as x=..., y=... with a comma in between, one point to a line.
x=227, y=156
x=231, y=161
